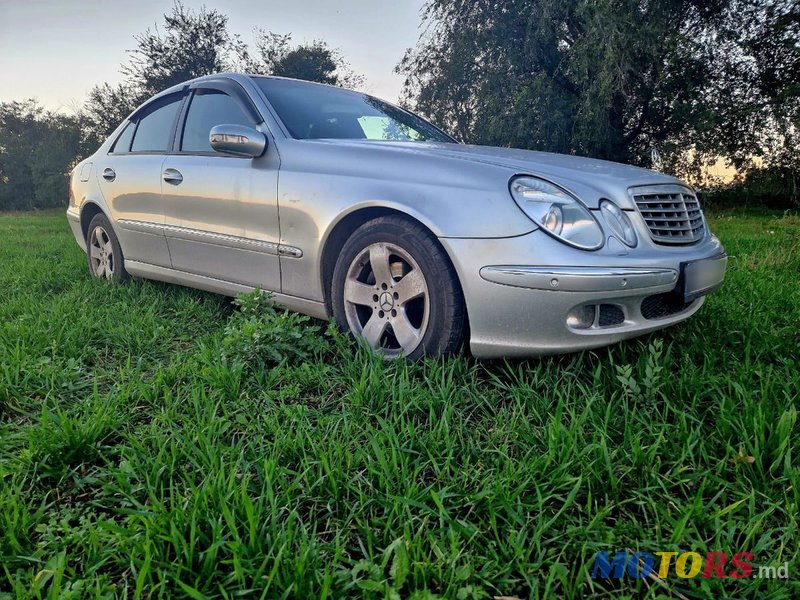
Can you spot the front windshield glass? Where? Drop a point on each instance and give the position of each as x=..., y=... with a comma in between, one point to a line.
x=312, y=111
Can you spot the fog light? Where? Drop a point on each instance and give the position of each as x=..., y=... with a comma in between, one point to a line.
x=581, y=317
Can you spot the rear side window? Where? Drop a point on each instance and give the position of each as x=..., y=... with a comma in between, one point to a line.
x=208, y=109
x=123, y=143
x=155, y=128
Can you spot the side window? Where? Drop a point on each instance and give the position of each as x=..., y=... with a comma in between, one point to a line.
x=208, y=109
x=123, y=143
x=155, y=127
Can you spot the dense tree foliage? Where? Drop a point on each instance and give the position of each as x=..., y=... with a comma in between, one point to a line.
x=37, y=150
x=193, y=44
x=313, y=62
x=694, y=79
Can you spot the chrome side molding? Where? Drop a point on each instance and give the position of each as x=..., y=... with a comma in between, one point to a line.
x=579, y=279
x=234, y=241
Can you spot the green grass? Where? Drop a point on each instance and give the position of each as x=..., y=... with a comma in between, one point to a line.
x=157, y=441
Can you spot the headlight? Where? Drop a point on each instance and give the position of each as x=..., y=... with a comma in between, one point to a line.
x=619, y=222
x=557, y=212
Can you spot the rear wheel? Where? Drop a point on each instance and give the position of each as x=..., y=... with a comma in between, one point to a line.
x=394, y=287
x=104, y=252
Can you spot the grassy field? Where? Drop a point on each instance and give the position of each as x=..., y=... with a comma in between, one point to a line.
x=157, y=441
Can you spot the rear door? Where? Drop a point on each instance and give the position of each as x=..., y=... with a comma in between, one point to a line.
x=130, y=180
x=221, y=210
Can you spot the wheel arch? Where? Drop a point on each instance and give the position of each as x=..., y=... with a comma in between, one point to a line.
x=344, y=228
x=88, y=212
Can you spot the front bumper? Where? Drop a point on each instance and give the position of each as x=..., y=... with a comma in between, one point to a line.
x=565, y=300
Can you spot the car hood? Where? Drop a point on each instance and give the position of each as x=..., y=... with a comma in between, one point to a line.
x=589, y=178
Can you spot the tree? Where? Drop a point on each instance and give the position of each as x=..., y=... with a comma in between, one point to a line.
x=774, y=42
x=612, y=78
x=106, y=108
x=37, y=150
x=196, y=43
x=192, y=44
x=312, y=62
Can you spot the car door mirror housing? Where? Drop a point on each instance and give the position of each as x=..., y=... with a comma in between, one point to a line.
x=238, y=139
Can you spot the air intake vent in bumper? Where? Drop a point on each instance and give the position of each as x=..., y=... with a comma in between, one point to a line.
x=661, y=306
x=609, y=315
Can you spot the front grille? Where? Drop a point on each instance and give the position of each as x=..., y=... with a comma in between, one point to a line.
x=663, y=305
x=609, y=315
x=672, y=214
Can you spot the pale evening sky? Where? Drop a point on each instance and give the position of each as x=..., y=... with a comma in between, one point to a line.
x=57, y=50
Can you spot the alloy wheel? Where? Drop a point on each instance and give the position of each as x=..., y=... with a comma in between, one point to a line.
x=101, y=253
x=386, y=299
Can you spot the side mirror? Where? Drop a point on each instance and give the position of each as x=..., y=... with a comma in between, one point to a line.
x=238, y=139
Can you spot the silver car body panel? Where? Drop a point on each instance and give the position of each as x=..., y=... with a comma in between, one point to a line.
x=233, y=224
x=222, y=220
x=322, y=182
x=133, y=197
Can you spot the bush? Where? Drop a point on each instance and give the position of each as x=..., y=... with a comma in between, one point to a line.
x=38, y=148
x=773, y=187
x=260, y=335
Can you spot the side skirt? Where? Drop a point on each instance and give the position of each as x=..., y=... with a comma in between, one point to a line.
x=311, y=308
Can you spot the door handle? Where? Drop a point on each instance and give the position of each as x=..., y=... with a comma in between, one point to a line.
x=172, y=176
x=109, y=174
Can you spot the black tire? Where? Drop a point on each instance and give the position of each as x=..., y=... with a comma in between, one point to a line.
x=107, y=264
x=407, y=247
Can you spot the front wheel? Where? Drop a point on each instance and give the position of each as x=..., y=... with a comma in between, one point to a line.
x=104, y=252
x=393, y=286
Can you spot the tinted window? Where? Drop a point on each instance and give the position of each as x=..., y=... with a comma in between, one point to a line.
x=316, y=111
x=208, y=109
x=155, y=128
x=123, y=143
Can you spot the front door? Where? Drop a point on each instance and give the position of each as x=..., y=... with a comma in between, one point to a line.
x=221, y=211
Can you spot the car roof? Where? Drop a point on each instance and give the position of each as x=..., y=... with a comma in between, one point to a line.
x=236, y=77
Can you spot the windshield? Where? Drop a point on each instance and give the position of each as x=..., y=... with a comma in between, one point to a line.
x=312, y=111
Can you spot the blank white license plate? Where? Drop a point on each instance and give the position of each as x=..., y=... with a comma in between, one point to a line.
x=703, y=276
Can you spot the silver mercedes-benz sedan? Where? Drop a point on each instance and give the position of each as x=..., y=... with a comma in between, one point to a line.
x=343, y=205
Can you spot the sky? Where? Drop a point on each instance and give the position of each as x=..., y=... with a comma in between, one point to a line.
x=57, y=50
